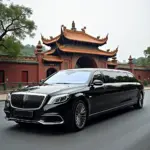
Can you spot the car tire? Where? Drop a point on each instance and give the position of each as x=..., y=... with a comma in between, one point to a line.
x=140, y=101
x=77, y=118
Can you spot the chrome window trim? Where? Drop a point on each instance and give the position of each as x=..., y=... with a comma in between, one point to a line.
x=26, y=93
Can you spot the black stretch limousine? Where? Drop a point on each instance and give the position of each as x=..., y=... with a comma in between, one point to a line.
x=72, y=96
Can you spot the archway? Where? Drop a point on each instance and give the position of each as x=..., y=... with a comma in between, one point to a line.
x=85, y=62
x=50, y=71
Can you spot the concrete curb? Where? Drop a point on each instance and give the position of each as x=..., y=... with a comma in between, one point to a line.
x=146, y=88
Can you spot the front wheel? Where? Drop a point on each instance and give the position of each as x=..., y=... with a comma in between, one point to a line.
x=140, y=101
x=76, y=119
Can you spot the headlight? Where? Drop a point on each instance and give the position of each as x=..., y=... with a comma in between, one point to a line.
x=8, y=97
x=58, y=99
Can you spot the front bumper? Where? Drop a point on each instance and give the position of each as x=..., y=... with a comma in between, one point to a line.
x=34, y=121
x=47, y=115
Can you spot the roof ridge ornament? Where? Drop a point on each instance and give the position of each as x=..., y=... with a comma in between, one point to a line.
x=117, y=48
x=98, y=37
x=107, y=35
x=42, y=37
x=83, y=29
x=73, y=26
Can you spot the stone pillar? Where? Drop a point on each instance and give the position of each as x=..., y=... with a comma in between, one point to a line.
x=131, y=64
x=39, y=54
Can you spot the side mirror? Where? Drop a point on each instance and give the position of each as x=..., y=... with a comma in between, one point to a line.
x=97, y=82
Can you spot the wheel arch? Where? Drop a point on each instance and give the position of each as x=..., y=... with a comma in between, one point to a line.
x=81, y=96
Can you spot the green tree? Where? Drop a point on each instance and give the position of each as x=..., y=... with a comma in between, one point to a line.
x=141, y=61
x=147, y=54
x=15, y=25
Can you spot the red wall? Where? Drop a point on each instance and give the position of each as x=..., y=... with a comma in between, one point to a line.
x=36, y=72
x=144, y=74
x=13, y=71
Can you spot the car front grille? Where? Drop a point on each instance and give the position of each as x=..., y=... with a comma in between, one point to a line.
x=27, y=101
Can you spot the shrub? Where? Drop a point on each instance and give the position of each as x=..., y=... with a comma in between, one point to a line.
x=145, y=83
x=19, y=85
x=4, y=86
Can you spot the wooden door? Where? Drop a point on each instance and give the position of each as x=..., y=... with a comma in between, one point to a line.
x=2, y=79
x=25, y=76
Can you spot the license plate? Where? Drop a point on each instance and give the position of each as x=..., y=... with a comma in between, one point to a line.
x=23, y=113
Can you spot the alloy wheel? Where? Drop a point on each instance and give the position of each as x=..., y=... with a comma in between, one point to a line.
x=80, y=115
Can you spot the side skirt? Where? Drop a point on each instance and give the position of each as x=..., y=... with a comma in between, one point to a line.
x=112, y=109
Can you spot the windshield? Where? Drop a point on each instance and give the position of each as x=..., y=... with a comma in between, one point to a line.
x=69, y=77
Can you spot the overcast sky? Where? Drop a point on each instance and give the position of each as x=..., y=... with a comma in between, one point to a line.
x=126, y=21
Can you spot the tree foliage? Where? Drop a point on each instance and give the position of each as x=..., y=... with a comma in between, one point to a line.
x=147, y=52
x=143, y=61
x=28, y=50
x=15, y=25
x=13, y=46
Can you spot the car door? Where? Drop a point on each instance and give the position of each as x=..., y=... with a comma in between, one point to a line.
x=132, y=87
x=113, y=89
x=121, y=79
x=96, y=94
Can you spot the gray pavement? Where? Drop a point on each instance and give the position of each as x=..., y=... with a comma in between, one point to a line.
x=126, y=129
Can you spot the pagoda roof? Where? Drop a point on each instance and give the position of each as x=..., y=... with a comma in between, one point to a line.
x=82, y=50
x=75, y=35
x=52, y=58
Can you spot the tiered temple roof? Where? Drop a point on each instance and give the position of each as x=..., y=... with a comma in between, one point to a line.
x=81, y=50
x=75, y=36
x=52, y=58
x=73, y=41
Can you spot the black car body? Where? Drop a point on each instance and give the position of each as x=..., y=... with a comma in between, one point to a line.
x=72, y=96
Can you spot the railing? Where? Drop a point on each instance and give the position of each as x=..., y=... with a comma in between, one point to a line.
x=9, y=86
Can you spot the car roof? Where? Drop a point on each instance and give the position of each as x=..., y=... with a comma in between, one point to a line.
x=99, y=69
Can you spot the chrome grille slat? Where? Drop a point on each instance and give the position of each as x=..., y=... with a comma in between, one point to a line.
x=27, y=101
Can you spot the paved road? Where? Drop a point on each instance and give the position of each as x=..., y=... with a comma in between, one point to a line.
x=122, y=130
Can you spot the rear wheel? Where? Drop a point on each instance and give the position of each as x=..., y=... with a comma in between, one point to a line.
x=76, y=119
x=139, y=103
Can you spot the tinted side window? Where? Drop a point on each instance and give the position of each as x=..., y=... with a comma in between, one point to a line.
x=131, y=78
x=115, y=76
x=98, y=76
x=109, y=76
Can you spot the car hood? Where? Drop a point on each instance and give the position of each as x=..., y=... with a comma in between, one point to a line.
x=53, y=89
